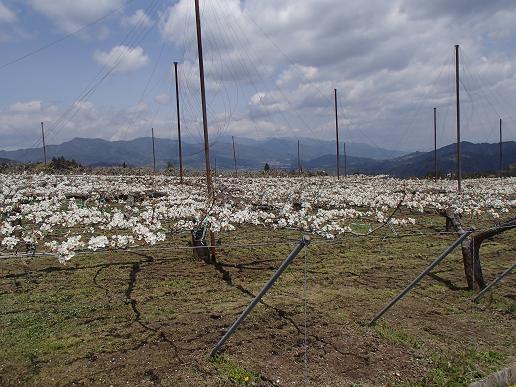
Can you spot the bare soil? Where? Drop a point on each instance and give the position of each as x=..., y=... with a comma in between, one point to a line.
x=152, y=317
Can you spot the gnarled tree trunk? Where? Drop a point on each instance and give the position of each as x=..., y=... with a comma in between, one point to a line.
x=471, y=246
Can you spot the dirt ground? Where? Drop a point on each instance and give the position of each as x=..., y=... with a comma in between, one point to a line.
x=152, y=317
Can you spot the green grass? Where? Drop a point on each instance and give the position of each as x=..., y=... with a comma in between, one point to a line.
x=462, y=368
x=395, y=335
x=234, y=373
x=76, y=323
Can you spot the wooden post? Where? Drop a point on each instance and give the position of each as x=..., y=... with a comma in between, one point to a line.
x=178, y=127
x=234, y=156
x=153, y=151
x=435, y=144
x=337, y=133
x=457, y=92
x=44, y=145
x=209, y=181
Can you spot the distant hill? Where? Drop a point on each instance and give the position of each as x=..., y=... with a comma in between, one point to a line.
x=6, y=161
x=277, y=152
x=476, y=158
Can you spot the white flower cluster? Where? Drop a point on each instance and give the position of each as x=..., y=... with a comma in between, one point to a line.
x=121, y=211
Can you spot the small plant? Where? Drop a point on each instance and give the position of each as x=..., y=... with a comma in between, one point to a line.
x=233, y=372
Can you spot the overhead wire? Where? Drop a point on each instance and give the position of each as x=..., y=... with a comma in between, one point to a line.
x=64, y=37
x=131, y=38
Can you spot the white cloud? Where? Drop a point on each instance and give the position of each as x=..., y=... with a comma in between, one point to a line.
x=140, y=108
x=228, y=40
x=26, y=107
x=291, y=74
x=20, y=123
x=162, y=99
x=122, y=58
x=72, y=15
x=391, y=62
x=139, y=18
x=6, y=15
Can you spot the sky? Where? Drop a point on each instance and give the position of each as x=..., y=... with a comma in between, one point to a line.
x=104, y=69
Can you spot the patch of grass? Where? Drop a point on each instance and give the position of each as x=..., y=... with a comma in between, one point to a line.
x=233, y=372
x=461, y=369
x=396, y=336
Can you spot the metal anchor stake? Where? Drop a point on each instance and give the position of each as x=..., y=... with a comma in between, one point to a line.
x=494, y=282
x=420, y=276
x=305, y=241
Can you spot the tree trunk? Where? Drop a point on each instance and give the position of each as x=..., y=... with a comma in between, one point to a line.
x=471, y=246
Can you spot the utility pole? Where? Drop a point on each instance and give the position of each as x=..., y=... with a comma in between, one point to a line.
x=300, y=170
x=337, y=133
x=345, y=162
x=178, y=127
x=501, y=154
x=209, y=181
x=44, y=145
x=153, y=151
x=435, y=144
x=457, y=83
x=234, y=156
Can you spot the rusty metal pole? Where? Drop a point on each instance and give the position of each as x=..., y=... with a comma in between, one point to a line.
x=153, y=151
x=178, y=127
x=345, y=162
x=298, y=159
x=209, y=180
x=337, y=133
x=435, y=144
x=234, y=156
x=501, y=154
x=44, y=145
x=457, y=92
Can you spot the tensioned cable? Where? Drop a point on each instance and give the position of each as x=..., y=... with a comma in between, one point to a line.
x=59, y=40
x=132, y=35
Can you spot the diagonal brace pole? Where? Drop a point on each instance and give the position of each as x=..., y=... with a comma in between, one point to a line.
x=305, y=241
x=495, y=281
x=420, y=276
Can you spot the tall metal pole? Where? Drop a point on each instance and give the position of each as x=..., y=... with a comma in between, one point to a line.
x=178, y=127
x=234, y=156
x=459, y=167
x=501, y=155
x=44, y=145
x=435, y=144
x=153, y=151
x=345, y=161
x=337, y=133
x=298, y=158
x=209, y=181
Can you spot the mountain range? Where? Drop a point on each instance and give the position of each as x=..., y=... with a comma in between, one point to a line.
x=279, y=153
